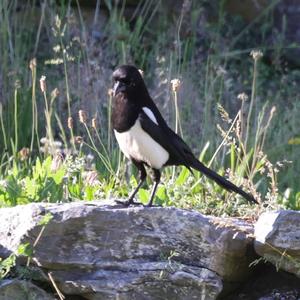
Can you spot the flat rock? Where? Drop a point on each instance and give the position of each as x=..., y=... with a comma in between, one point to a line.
x=101, y=250
x=268, y=283
x=277, y=238
x=20, y=290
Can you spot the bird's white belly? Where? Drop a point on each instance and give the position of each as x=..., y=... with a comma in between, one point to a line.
x=138, y=144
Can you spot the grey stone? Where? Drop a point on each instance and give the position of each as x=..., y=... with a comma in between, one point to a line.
x=277, y=238
x=22, y=290
x=268, y=284
x=102, y=251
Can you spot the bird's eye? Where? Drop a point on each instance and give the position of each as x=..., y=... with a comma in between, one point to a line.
x=125, y=81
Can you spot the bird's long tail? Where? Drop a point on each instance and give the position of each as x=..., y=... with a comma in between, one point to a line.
x=221, y=180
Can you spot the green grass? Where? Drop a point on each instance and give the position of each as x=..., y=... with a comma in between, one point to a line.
x=50, y=154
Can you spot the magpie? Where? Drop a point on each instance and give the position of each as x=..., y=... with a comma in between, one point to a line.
x=145, y=138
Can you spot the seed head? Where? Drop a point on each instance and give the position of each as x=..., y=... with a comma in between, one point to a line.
x=78, y=139
x=3, y=184
x=94, y=123
x=56, y=48
x=91, y=178
x=272, y=112
x=24, y=153
x=175, y=85
x=110, y=92
x=256, y=54
x=44, y=140
x=32, y=64
x=17, y=84
x=221, y=71
x=57, y=22
x=57, y=162
x=186, y=6
x=55, y=93
x=43, y=84
x=242, y=96
x=82, y=116
x=70, y=123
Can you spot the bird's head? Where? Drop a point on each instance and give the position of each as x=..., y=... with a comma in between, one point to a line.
x=127, y=79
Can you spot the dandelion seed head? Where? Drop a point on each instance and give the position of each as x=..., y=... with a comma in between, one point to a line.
x=256, y=54
x=242, y=96
x=44, y=140
x=90, y=157
x=56, y=48
x=175, y=85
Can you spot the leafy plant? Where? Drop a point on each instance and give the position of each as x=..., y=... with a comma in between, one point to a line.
x=7, y=264
x=44, y=146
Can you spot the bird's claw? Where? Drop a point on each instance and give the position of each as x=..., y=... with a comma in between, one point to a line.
x=129, y=202
x=153, y=205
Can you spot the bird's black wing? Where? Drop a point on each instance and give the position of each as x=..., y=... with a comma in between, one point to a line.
x=178, y=150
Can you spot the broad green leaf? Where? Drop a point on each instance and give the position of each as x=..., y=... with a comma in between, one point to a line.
x=143, y=195
x=75, y=191
x=89, y=193
x=184, y=174
x=25, y=249
x=58, y=175
x=45, y=219
x=31, y=188
x=162, y=193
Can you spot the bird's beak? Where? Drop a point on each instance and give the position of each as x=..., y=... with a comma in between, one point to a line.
x=119, y=87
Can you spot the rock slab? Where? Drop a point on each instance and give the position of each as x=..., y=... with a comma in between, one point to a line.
x=21, y=290
x=99, y=250
x=277, y=238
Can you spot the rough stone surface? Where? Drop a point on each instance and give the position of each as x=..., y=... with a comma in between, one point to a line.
x=100, y=250
x=268, y=284
x=21, y=290
x=277, y=238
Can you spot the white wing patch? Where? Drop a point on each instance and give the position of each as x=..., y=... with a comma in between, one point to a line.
x=150, y=114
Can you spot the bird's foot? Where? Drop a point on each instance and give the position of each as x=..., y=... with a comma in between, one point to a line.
x=152, y=205
x=128, y=203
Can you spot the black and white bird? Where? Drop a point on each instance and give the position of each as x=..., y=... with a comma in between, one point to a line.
x=145, y=138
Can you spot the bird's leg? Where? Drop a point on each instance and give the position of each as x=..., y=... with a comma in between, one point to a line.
x=156, y=177
x=142, y=175
x=130, y=200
